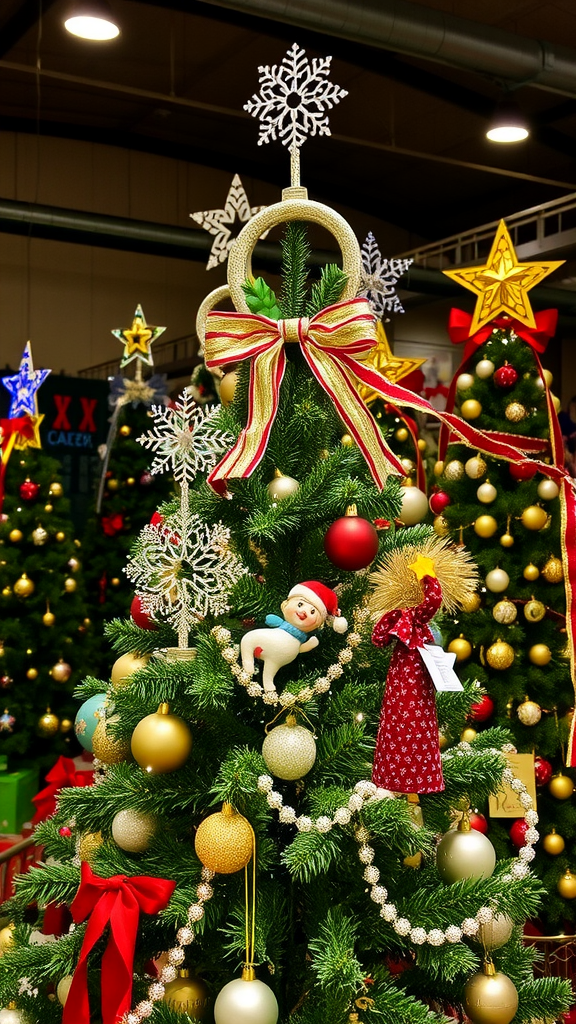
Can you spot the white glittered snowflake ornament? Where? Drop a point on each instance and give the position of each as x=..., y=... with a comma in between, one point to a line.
x=294, y=99
x=184, y=439
x=379, y=277
x=221, y=222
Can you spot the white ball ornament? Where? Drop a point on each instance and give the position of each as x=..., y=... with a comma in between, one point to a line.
x=132, y=830
x=465, y=853
x=475, y=467
x=63, y=988
x=548, y=490
x=497, y=581
x=9, y=1016
x=464, y=381
x=289, y=750
x=246, y=1001
x=484, y=369
x=414, y=506
x=495, y=933
x=486, y=493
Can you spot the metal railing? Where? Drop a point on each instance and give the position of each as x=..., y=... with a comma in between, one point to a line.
x=164, y=353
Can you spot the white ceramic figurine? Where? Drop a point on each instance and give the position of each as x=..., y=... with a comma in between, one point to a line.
x=305, y=610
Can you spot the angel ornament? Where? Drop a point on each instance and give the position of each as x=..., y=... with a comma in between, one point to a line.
x=304, y=612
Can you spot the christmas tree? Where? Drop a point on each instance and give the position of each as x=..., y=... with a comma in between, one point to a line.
x=515, y=637
x=128, y=494
x=45, y=633
x=284, y=883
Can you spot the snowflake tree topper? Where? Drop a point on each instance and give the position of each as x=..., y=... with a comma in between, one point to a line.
x=220, y=222
x=379, y=277
x=293, y=101
x=184, y=439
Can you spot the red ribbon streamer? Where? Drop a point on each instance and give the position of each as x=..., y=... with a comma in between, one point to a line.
x=63, y=774
x=9, y=429
x=116, y=901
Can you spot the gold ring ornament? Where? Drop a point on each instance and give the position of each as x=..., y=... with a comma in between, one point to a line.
x=212, y=300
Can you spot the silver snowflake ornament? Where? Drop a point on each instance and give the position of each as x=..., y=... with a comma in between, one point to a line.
x=221, y=222
x=294, y=98
x=378, y=279
x=184, y=439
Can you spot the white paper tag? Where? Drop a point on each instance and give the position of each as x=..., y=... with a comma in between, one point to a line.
x=440, y=665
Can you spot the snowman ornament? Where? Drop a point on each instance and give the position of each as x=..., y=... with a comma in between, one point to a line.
x=283, y=638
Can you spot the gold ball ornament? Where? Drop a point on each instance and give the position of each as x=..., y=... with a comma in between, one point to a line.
x=495, y=933
x=39, y=536
x=408, y=466
x=60, y=536
x=464, y=381
x=114, y=582
x=32, y=673
x=500, y=655
x=475, y=467
x=540, y=654
x=454, y=470
x=497, y=580
x=48, y=508
x=486, y=493
x=106, y=747
x=505, y=612
x=566, y=885
x=515, y=412
x=132, y=830
x=561, y=786
x=224, y=841
x=246, y=1001
x=548, y=490
x=73, y=564
x=471, y=409
x=48, y=724
x=61, y=671
x=6, y=937
x=461, y=647
x=485, y=526
x=130, y=481
x=438, y=468
x=289, y=750
x=468, y=735
x=529, y=712
x=531, y=572
x=56, y=489
x=534, y=517
x=113, y=484
x=125, y=430
x=66, y=725
x=188, y=994
x=414, y=506
x=228, y=387
x=553, y=571
x=15, y=536
x=507, y=540
x=282, y=486
x=63, y=988
x=472, y=603
x=464, y=852
x=161, y=742
x=126, y=666
x=556, y=403
x=48, y=618
x=401, y=434
x=534, y=610
x=546, y=379
x=442, y=740
x=441, y=526
x=553, y=843
x=24, y=587
x=490, y=997
x=6, y=592
x=69, y=585
x=89, y=844
x=422, y=444
x=347, y=441
x=484, y=369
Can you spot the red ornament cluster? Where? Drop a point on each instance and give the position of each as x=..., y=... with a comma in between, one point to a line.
x=29, y=490
x=351, y=543
x=506, y=376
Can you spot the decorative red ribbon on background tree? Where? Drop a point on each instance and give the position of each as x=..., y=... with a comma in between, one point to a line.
x=9, y=431
x=62, y=775
x=117, y=902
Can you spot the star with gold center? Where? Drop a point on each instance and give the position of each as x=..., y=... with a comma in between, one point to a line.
x=221, y=222
x=423, y=566
x=137, y=339
x=382, y=359
x=502, y=284
x=33, y=441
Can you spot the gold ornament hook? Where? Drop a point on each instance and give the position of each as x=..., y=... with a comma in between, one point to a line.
x=212, y=300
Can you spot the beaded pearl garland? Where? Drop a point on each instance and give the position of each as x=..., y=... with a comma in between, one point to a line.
x=285, y=699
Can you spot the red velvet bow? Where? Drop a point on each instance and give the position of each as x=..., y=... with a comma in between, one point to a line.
x=537, y=337
x=61, y=775
x=116, y=901
x=410, y=624
x=112, y=524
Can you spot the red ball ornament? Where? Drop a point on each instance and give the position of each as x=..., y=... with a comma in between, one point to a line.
x=506, y=376
x=65, y=832
x=146, y=479
x=140, y=617
x=479, y=822
x=542, y=771
x=351, y=543
x=29, y=490
x=157, y=519
x=522, y=470
x=438, y=502
x=570, y=1016
x=482, y=710
x=518, y=832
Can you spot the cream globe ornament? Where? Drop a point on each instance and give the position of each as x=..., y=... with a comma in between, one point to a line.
x=495, y=933
x=414, y=506
x=490, y=997
x=63, y=988
x=529, y=712
x=464, y=381
x=505, y=612
x=246, y=1001
x=475, y=467
x=126, y=666
x=548, y=490
x=484, y=369
x=282, y=486
x=39, y=536
x=454, y=470
x=132, y=830
x=465, y=853
x=486, y=493
x=289, y=750
x=497, y=581
x=11, y=1016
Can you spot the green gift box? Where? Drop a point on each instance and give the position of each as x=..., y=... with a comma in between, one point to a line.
x=16, y=792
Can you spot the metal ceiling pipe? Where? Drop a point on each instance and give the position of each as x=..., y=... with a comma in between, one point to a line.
x=410, y=28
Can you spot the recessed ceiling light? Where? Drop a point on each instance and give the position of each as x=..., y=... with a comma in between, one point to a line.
x=92, y=19
x=508, y=123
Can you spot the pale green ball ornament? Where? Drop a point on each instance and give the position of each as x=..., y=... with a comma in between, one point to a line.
x=465, y=853
x=132, y=830
x=490, y=997
x=495, y=933
x=289, y=750
x=63, y=988
x=246, y=1001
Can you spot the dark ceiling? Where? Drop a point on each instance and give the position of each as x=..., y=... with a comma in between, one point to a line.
x=408, y=141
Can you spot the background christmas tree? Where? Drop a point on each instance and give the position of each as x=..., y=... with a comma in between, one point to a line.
x=333, y=908
x=512, y=638
x=45, y=633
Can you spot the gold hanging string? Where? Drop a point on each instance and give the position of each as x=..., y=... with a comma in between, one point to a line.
x=248, y=972
x=291, y=711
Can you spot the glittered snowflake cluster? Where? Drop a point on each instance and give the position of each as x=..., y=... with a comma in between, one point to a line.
x=184, y=439
x=294, y=98
x=379, y=277
x=221, y=222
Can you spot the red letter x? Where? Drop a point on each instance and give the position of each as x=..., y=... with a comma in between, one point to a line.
x=88, y=407
x=62, y=402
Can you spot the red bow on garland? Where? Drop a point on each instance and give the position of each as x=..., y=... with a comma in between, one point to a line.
x=63, y=774
x=116, y=901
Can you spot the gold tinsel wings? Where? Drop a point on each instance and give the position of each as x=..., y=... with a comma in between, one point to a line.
x=396, y=585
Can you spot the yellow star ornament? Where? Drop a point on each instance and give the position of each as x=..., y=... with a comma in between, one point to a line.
x=423, y=566
x=381, y=358
x=137, y=339
x=502, y=285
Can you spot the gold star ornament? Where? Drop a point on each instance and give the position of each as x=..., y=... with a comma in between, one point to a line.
x=502, y=284
x=392, y=367
x=423, y=566
x=137, y=339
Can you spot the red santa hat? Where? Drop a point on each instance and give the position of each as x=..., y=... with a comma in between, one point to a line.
x=323, y=599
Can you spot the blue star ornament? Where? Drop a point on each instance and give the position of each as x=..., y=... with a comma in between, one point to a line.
x=24, y=385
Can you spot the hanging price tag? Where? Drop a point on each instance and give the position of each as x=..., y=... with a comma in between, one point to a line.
x=440, y=665
x=506, y=803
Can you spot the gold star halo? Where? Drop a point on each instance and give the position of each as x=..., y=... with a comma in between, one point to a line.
x=390, y=366
x=22, y=442
x=502, y=284
x=138, y=339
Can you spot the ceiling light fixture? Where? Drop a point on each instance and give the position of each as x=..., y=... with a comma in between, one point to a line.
x=92, y=19
x=508, y=123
